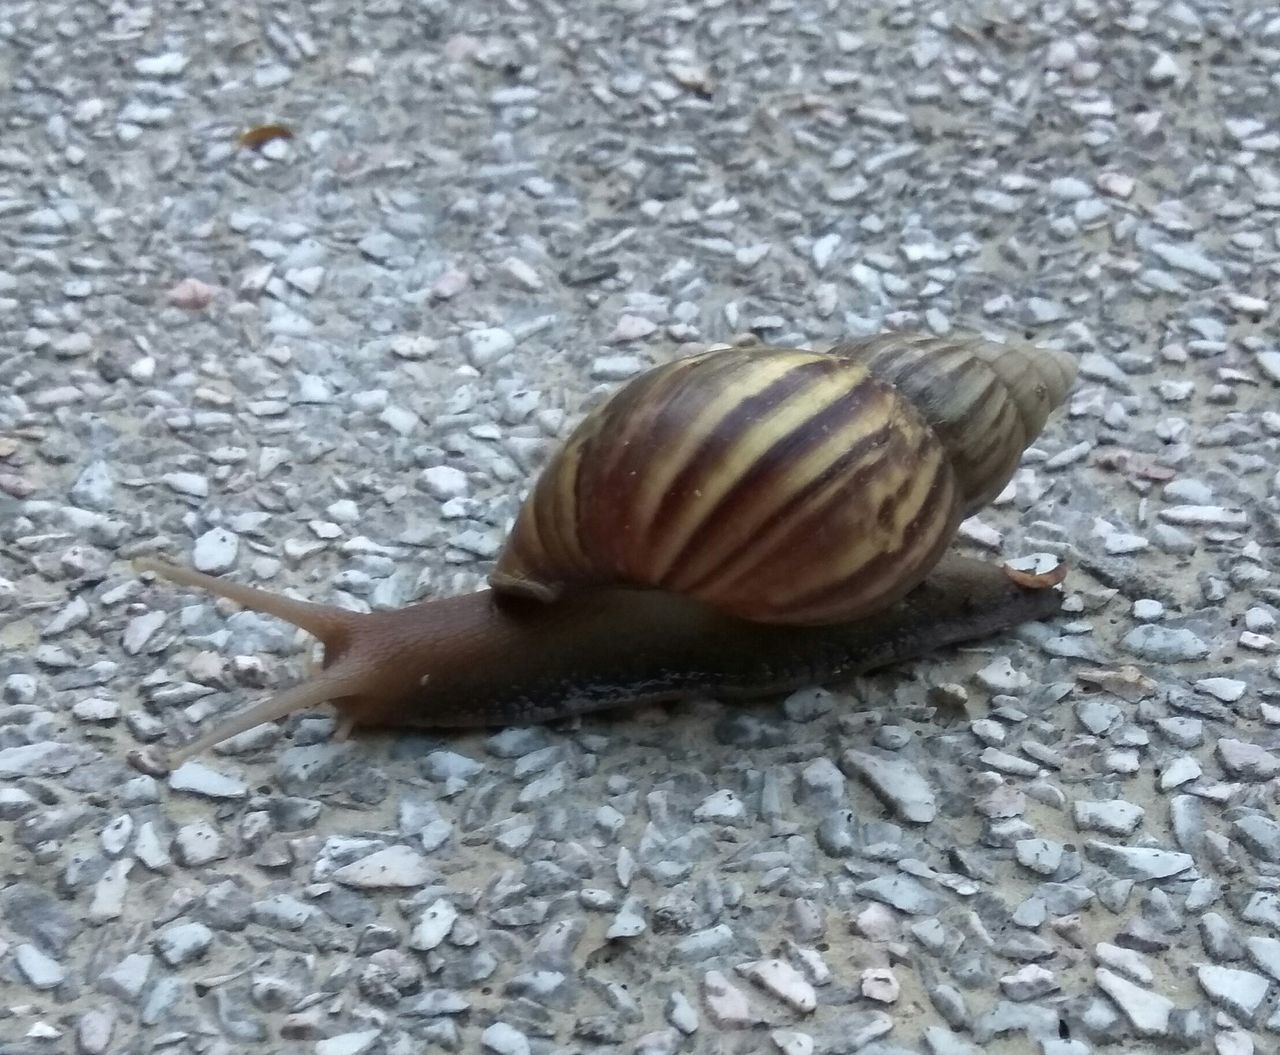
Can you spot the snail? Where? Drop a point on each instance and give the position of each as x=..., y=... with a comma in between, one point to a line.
x=740, y=522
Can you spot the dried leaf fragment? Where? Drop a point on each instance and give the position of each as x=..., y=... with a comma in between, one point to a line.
x=192, y=294
x=260, y=135
x=1037, y=580
x=146, y=762
x=692, y=77
x=16, y=486
x=1128, y=682
x=1127, y=462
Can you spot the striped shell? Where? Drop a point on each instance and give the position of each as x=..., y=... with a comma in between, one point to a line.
x=784, y=486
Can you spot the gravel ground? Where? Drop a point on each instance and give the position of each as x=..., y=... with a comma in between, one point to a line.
x=331, y=363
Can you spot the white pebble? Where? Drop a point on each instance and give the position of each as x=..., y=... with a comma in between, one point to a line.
x=988, y=731
x=632, y=328
x=1259, y=620
x=521, y=274
x=629, y=922
x=41, y=971
x=1113, y=816
x=71, y=616
x=1069, y=188
x=783, y=981
x=681, y=1014
x=487, y=346
x=1147, y=610
x=877, y=922
x=1228, y=690
x=444, y=482
x=791, y=1042
x=1129, y=961
x=1240, y=991
x=726, y=1003
x=168, y=64
x=450, y=284
x=824, y=249
x=116, y=835
x=975, y=530
x=880, y=984
x=400, y=420
x=723, y=805
x=1120, y=543
x=198, y=844
x=96, y=709
x=193, y=484
x=109, y=892
x=1188, y=259
x=504, y=1039
x=344, y=510
x=615, y=367
x=1149, y=1012
x=1180, y=771
x=305, y=279
x=348, y=1043
x=150, y=849
x=1205, y=515
x=200, y=779
x=1115, y=184
x=1234, y=1041
x=94, y=1029
x=1039, y=855
x=1164, y=70
x=392, y=867
x=93, y=487
x=1069, y=456
x=433, y=926
x=182, y=943
x=999, y=676
x=215, y=551
x=140, y=629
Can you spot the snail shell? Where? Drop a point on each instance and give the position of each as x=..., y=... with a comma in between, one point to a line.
x=784, y=486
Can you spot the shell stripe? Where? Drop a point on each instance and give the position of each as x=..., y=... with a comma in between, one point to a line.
x=625, y=456
x=973, y=391
x=557, y=517
x=667, y=446
x=533, y=533
x=989, y=464
x=841, y=529
x=620, y=451
x=767, y=436
x=1001, y=434
x=686, y=420
x=890, y=572
x=895, y=500
x=810, y=520
x=799, y=471
x=965, y=383
x=548, y=547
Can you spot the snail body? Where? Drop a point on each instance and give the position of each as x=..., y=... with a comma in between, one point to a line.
x=740, y=522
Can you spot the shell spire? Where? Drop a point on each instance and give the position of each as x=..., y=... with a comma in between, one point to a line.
x=781, y=485
x=987, y=401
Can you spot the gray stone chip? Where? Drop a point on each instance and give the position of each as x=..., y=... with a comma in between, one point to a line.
x=899, y=784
